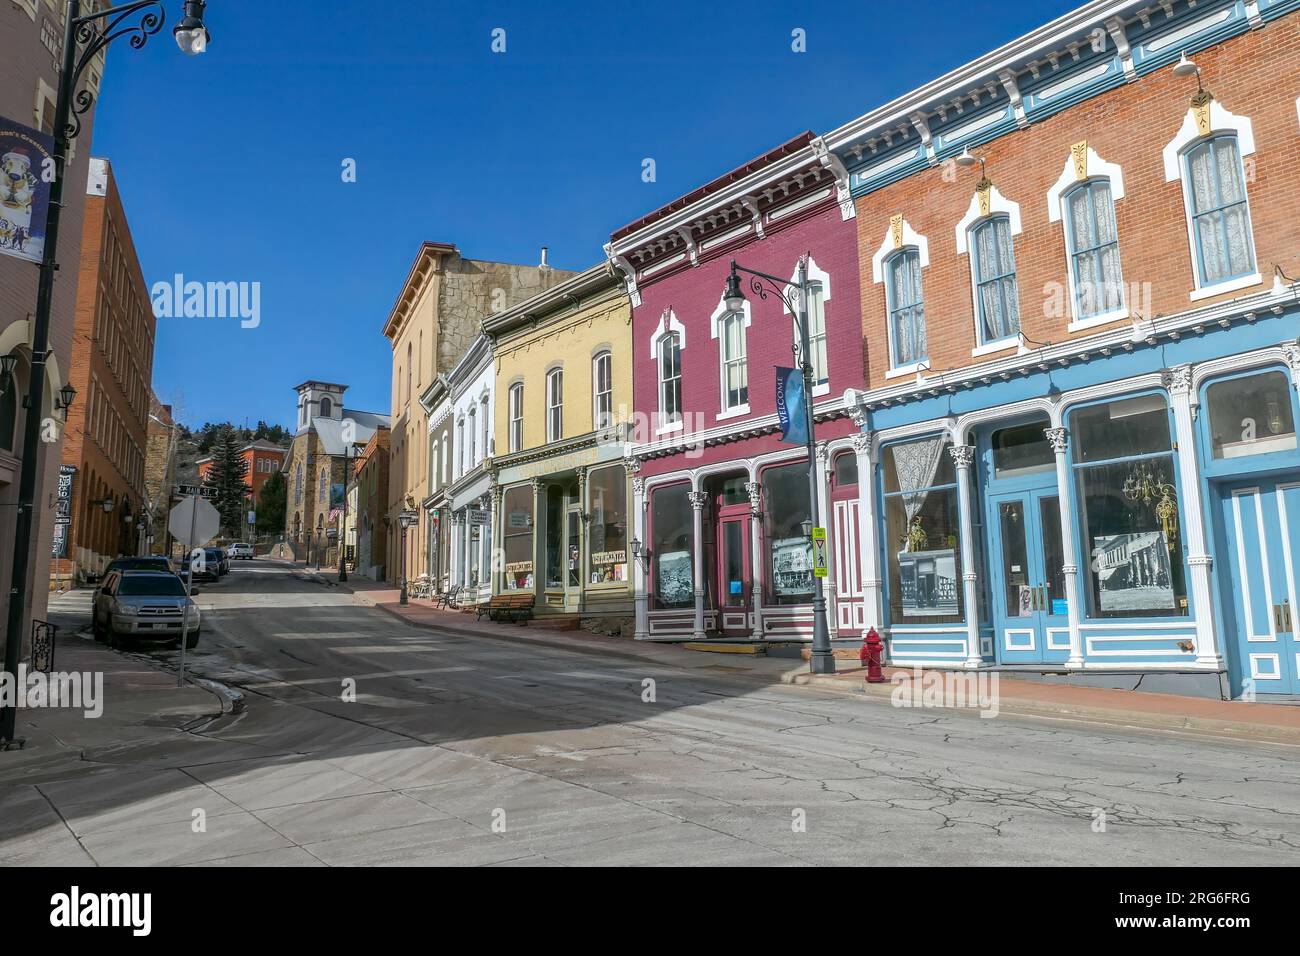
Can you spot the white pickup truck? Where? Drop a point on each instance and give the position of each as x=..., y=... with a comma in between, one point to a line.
x=240, y=550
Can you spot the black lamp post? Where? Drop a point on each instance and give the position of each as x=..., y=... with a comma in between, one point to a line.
x=407, y=519
x=795, y=296
x=84, y=37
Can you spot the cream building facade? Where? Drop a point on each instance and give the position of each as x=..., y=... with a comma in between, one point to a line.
x=560, y=494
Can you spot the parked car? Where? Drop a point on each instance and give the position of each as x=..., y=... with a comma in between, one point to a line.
x=209, y=569
x=147, y=563
x=149, y=605
x=240, y=550
x=222, y=559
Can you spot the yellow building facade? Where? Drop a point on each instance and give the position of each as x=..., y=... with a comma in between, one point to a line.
x=563, y=383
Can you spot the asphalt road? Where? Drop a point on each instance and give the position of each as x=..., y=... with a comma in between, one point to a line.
x=366, y=740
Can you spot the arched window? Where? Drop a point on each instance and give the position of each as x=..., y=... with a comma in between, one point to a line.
x=297, y=485
x=460, y=448
x=483, y=424
x=516, y=416
x=326, y=408
x=472, y=429
x=1094, y=249
x=1219, y=211
x=555, y=404
x=324, y=485
x=906, y=307
x=602, y=387
x=996, y=295
x=670, y=379
x=735, y=365
x=817, y=333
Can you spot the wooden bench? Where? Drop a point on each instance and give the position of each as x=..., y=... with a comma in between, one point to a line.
x=515, y=607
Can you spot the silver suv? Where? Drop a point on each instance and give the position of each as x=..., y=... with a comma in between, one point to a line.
x=143, y=604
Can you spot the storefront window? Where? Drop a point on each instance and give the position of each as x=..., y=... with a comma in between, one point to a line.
x=607, y=529
x=789, y=578
x=1131, y=521
x=1022, y=450
x=922, y=533
x=846, y=469
x=517, y=537
x=1251, y=415
x=554, y=537
x=672, y=546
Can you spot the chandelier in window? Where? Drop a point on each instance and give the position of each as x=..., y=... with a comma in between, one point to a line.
x=1149, y=488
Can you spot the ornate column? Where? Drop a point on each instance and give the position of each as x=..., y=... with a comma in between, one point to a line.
x=1199, y=561
x=498, y=539
x=758, y=566
x=457, y=528
x=698, y=499
x=962, y=457
x=584, y=518
x=827, y=583
x=640, y=590
x=539, y=543
x=869, y=534
x=1059, y=439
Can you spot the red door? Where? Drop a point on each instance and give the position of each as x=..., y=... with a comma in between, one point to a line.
x=735, y=575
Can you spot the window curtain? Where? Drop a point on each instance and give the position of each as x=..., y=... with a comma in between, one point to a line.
x=915, y=465
x=999, y=304
x=1219, y=203
x=909, y=310
x=1098, y=276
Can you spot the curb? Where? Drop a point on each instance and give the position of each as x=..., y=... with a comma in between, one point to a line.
x=232, y=701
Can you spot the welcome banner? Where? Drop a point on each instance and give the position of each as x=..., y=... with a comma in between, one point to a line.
x=790, y=406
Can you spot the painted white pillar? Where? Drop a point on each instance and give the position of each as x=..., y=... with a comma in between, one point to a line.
x=640, y=588
x=1199, y=561
x=962, y=457
x=697, y=515
x=455, y=556
x=1059, y=439
x=758, y=562
x=828, y=522
x=539, y=542
x=869, y=534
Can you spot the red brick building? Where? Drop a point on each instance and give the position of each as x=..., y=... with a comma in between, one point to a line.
x=112, y=365
x=1079, y=316
x=262, y=458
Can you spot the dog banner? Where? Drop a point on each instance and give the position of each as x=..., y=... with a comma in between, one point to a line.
x=26, y=172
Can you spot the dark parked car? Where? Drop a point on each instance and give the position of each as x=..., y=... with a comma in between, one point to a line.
x=209, y=569
x=147, y=563
x=149, y=605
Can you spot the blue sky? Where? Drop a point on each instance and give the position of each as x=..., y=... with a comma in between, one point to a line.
x=230, y=163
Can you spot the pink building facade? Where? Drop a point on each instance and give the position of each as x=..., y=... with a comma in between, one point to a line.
x=719, y=499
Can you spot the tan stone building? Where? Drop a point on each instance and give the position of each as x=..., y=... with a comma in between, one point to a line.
x=159, y=473
x=104, y=443
x=435, y=320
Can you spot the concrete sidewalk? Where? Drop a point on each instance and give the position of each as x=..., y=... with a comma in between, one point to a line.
x=1275, y=723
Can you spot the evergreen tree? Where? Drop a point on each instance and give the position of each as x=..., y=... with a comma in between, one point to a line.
x=271, y=504
x=227, y=476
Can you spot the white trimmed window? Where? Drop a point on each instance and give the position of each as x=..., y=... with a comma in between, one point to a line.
x=1093, y=243
x=670, y=379
x=1208, y=157
x=906, y=304
x=602, y=387
x=1220, y=215
x=471, y=428
x=516, y=416
x=555, y=404
x=735, y=364
x=817, y=333
x=997, y=297
x=483, y=424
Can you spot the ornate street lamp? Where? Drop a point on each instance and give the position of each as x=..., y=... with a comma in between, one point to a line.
x=795, y=296
x=407, y=519
x=84, y=37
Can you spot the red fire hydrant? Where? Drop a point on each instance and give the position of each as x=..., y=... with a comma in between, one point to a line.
x=872, y=650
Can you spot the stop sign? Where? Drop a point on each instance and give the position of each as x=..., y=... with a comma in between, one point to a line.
x=206, y=522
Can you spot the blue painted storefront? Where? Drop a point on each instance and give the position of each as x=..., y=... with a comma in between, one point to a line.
x=1246, y=503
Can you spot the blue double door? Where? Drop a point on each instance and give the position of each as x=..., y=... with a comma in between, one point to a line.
x=1260, y=528
x=1030, y=615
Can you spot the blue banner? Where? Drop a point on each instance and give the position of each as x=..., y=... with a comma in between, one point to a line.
x=26, y=172
x=790, y=406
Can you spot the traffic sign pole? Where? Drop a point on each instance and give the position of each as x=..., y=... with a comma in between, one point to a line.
x=189, y=589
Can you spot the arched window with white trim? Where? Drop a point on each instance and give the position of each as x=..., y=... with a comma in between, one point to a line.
x=516, y=406
x=602, y=390
x=906, y=302
x=735, y=363
x=670, y=379
x=817, y=332
x=555, y=404
x=997, y=296
x=1093, y=242
x=1220, y=214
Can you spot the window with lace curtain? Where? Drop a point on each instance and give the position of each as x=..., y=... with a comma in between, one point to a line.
x=1094, y=250
x=1220, y=214
x=997, y=298
x=906, y=308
